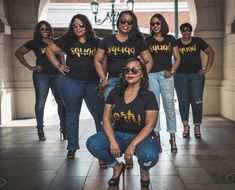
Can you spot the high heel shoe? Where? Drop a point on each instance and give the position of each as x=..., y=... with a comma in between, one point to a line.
x=197, y=131
x=144, y=183
x=173, y=144
x=103, y=164
x=63, y=134
x=186, y=131
x=158, y=137
x=115, y=181
x=41, y=135
x=71, y=154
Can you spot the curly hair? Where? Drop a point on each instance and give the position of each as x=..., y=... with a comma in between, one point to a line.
x=135, y=35
x=71, y=36
x=37, y=32
x=144, y=84
x=164, y=25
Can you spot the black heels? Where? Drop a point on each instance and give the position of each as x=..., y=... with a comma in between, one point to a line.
x=41, y=135
x=71, y=154
x=115, y=181
x=173, y=144
x=158, y=137
x=197, y=131
x=63, y=134
x=186, y=131
x=144, y=174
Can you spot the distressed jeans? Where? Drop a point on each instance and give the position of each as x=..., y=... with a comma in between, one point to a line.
x=160, y=85
x=146, y=151
x=189, y=89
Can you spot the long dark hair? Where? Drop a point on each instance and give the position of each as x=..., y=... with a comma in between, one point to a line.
x=144, y=84
x=135, y=35
x=90, y=34
x=37, y=32
x=164, y=25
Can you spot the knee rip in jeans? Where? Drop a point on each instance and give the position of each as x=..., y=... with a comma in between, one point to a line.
x=147, y=164
x=198, y=101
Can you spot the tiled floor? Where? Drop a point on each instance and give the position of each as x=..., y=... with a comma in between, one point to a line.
x=27, y=164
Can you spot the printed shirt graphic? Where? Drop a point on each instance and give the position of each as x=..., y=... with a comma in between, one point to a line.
x=80, y=59
x=191, y=55
x=39, y=48
x=130, y=118
x=118, y=52
x=161, y=52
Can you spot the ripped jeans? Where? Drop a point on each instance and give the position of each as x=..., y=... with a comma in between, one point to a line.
x=189, y=89
x=146, y=151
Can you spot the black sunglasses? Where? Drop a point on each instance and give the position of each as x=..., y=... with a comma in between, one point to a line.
x=186, y=30
x=155, y=23
x=134, y=70
x=44, y=29
x=123, y=21
x=78, y=26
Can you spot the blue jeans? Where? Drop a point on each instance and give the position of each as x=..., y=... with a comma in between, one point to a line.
x=146, y=151
x=42, y=83
x=74, y=92
x=111, y=85
x=160, y=85
x=189, y=89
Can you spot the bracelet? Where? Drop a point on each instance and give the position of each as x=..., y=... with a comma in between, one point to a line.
x=172, y=72
x=58, y=66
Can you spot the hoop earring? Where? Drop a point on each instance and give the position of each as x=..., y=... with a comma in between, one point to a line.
x=142, y=81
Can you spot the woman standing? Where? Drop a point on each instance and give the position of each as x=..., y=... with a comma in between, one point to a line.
x=130, y=115
x=45, y=76
x=79, y=78
x=117, y=48
x=190, y=77
x=161, y=79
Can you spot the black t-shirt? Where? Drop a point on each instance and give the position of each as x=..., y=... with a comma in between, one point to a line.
x=118, y=52
x=80, y=58
x=130, y=118
x=191, y=55
x=161, y=52
x=39, y=49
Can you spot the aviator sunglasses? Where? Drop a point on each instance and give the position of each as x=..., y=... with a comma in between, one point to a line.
x=44, y=29
x=155, y=23
x=134, y=70
x=123, y=21
x=78, y=26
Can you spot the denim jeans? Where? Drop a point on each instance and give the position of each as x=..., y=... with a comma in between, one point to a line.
x=74, y=92
x=111, y=85
x=160, y=85
x=42, y=83
x=189, y=89
x=146, y=151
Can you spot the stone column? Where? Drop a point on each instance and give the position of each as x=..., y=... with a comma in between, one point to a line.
x=210, y=28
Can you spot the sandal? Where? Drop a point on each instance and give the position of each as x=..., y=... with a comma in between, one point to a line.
x=197, y=131
x=103, y=164
x=129, y=163
x=186, y=131
x=173, y=144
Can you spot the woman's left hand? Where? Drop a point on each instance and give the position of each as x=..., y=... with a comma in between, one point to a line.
x=204, y=71
x=167, y=74
x=129, y=152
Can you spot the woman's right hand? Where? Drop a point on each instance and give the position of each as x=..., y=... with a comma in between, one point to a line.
x=114, y=149
x=102, y=86
x=37, y=68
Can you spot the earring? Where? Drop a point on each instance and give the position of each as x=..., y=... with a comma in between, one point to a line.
x=142, y=81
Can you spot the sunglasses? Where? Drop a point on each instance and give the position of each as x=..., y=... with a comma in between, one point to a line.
x=78, y=26
x=123, y=22
x=186, y=30
x=44, y=29
x=155, y=23
x=134, y=70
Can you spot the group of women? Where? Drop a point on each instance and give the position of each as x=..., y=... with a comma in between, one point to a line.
x=131, y=73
